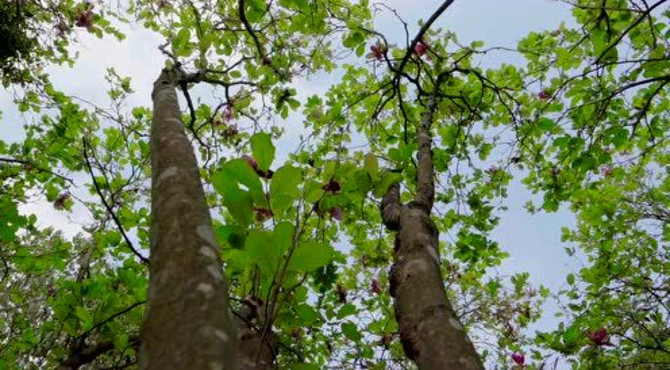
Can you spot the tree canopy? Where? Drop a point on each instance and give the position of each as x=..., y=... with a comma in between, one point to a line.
x=344, y=220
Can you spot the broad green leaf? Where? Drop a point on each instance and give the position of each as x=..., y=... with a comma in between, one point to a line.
x=237, y=259
x=545, y=124
x=362, y=181
x=283, y=235
x=228, y=178
x=309, y=256
x=242, y=172
x=261, y=247
x=85, y=316
x=314, y=191
x=372, y=166
x=346, y=310
x=284, y=189
x=263, y=150
x=181, y=41
x=351, y=331
x=240, y=205
x=570, y=335
x=307, y=314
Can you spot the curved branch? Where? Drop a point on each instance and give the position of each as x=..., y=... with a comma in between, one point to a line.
x=40, y=169
x=114, y=316
x=109, y=209
x=627, y=30
x=419, y=36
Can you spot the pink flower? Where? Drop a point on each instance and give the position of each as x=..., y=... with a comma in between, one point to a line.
x=518, y=358
x=332, y=185
x=377, y=51
x=263, y=214
x=599, y=337
x=336, y=213
x=544, y=95
x=420, y=48
x=606, y=171
x=228, y=113
x=85, y=19
x=374, y=286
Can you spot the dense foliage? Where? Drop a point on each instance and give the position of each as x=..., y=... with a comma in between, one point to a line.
x=583, y=123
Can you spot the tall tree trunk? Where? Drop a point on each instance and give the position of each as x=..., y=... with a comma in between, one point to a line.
x=430, y=331
x=187, y=324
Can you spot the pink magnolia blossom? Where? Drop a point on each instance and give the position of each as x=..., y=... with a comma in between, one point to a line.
x=599, y=337
x=85, y=19
x=606, y=171
x=336, y=213
x=377, y=51
x=228, y=113
x=420, y=48
x=518, y=358
x=374, y=286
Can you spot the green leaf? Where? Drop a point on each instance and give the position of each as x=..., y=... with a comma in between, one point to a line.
x=237, y=259
x=545, y=124
x=346, y=310
x=570, y=335
x=571, y=279
x=263, y=150
x=243, y=173
x=307, y=314
x=181, y=41
x=85, y=316
x=284, y=189
x=283, y=235
x=240, y=205
x=261, y=247
x=387, y=179
x=372, y=166
x=226, y=181
x=113, y=237
x=351, y=331
x=314, y=191
x=362, y=180
x=309, y=256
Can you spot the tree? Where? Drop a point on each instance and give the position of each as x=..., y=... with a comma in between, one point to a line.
x=185, y=259
x=305, y=242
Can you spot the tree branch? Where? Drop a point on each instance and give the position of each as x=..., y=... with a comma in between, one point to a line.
x=419, y=36
x=391, y=207
x=32, y=165
x=109, y=209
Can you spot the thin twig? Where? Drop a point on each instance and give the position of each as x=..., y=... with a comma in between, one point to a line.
x=109, y=209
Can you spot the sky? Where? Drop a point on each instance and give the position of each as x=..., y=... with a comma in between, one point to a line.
x=533, y=241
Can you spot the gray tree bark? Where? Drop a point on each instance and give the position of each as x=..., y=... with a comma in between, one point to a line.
x=430, y=332
x=187, y=324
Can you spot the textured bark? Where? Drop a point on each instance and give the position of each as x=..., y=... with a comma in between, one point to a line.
x=187, y=324
x=430, y=331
